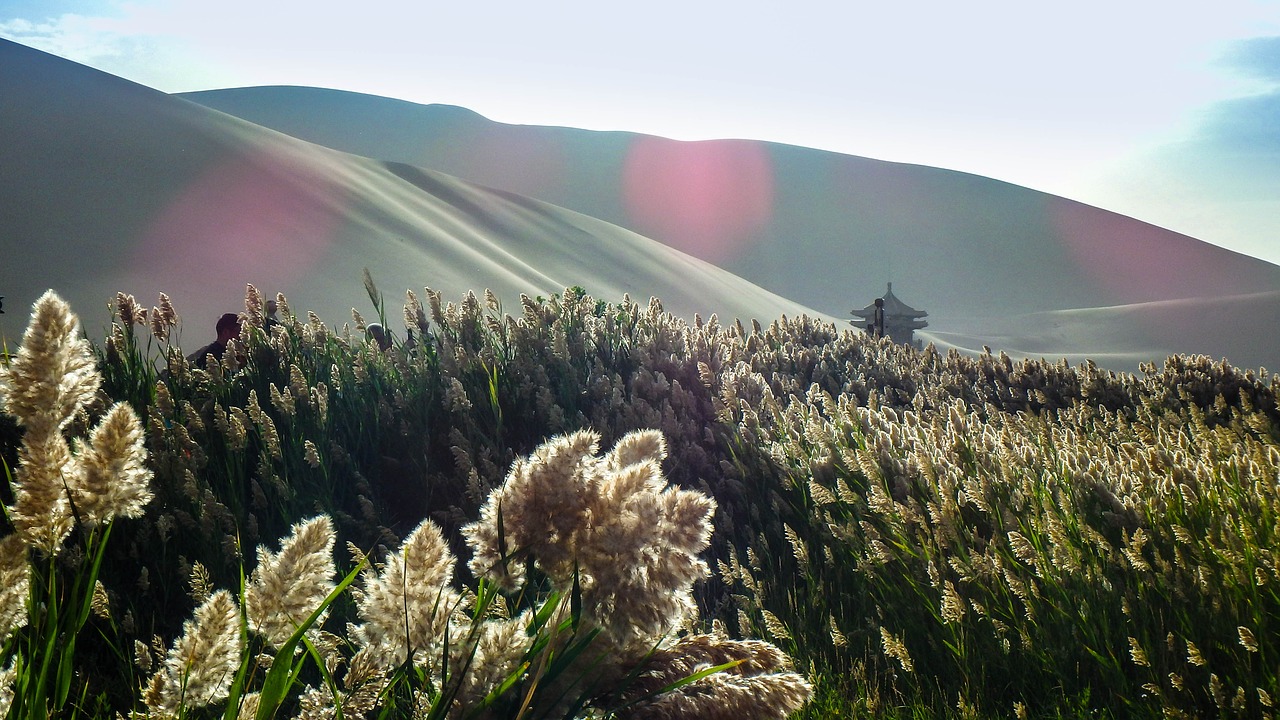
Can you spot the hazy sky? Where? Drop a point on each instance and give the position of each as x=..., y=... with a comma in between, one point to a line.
x=1169, y=112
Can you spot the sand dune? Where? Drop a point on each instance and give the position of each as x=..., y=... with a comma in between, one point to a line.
x=106, y=185
x=825, y=229
x=1121, y=337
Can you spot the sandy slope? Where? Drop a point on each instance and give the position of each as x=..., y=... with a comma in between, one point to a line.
x=106, y=185
x=1121, y=337
x=828, y=230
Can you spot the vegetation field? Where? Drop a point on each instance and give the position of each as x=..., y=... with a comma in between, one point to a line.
x=626, y=515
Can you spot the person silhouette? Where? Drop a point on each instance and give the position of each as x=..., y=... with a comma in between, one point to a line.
x=378, y=334
x=228, y=327
x=269, y=319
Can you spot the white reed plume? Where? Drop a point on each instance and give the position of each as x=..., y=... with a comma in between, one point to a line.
x=53, y=374
x=40, y=512
x=762, y=684
x=406, y=606
x=498, y=652
x=543, y=504
x=641, y=550
x=8, y=676
x=15, y=584
x=130, y=312
x=636, y=447
x=286, y=587
x=415, y=316
x=114, y=480
x=254, y=305
x=52, y=377
x=632, y=541
x=163, y=318
x=200, y=666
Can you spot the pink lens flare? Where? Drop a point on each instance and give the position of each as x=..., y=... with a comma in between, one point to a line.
x=1133, y=262
x=706, y=198
x=259, y=216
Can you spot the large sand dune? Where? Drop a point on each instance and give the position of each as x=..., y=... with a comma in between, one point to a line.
x=109, y=186
x=1124, y=336
x=985, y=258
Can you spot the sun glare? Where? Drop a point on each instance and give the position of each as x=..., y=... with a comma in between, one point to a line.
x=706, y=198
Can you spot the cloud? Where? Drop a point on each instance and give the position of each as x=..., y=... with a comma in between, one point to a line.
x=1257, y=58
x=1245, y=125
x=1220, y=181
x=81, y=38
x=1235, y=147
x=121, y=46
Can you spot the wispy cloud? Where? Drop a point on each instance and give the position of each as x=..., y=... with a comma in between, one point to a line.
x=82, y=38
x=1235, y=148
x=121, y=45
x=1220, y=181
x=1256, y=57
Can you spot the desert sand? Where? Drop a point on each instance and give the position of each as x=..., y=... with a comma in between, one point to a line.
x=991, y=262
x=107, y=186
x=110, y=186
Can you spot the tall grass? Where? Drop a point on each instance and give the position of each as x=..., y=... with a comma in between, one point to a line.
x=926, y=534
x=599, y=621
x=1107, y=555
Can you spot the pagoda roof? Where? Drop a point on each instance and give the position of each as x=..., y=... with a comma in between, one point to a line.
x=893, y=307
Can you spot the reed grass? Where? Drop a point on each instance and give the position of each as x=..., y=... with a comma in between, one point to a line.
x=923, y=534
x=597, y=625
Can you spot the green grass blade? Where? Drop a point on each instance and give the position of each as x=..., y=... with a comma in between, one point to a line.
x=282, y=674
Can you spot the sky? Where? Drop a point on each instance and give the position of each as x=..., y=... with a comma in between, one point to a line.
x=1168, y=112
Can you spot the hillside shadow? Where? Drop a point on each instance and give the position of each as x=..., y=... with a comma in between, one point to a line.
x=466, y=205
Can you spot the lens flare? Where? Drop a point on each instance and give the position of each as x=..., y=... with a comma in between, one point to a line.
x=259, y=216
x=1134, y=262
x=709, y=199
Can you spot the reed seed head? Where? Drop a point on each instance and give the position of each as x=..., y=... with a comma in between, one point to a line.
x=200, y=666
x=286, y=587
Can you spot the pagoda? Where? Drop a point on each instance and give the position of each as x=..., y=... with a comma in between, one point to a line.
x=890, y=317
